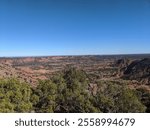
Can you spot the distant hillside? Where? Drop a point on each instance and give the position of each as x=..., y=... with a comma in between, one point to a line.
x=138, y=70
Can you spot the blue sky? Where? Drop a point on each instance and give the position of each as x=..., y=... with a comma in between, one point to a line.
x=74, y=27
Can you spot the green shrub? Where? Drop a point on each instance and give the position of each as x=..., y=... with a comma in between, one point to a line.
x=14, y=96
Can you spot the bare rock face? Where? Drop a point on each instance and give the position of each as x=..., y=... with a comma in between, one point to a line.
x=122, y=62
x=138, y=70
x=122, y=65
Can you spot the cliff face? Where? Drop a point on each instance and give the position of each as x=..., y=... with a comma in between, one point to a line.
x=122, y=65
x=138, y=70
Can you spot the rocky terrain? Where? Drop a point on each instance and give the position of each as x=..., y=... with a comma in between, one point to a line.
x=132, y=69
x=31, y=69
x=138, y=70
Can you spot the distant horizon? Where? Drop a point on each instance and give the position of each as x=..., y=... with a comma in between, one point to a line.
x=74, y=55
x=74, y=27
x=80, y=54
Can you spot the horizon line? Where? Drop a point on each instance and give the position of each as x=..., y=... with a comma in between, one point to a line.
x=121, y=54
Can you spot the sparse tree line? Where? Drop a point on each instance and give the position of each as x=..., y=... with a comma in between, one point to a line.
x=68, y=92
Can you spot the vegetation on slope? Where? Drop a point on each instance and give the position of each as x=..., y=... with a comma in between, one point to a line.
x=69, y=92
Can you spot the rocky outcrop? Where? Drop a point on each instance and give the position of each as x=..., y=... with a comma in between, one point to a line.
x=138, y=70
x=122, y=65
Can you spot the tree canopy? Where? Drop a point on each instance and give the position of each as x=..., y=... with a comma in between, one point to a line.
x=68, y=91
x=14, y=96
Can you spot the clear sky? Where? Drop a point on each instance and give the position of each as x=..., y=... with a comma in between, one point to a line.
x=74, y=27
